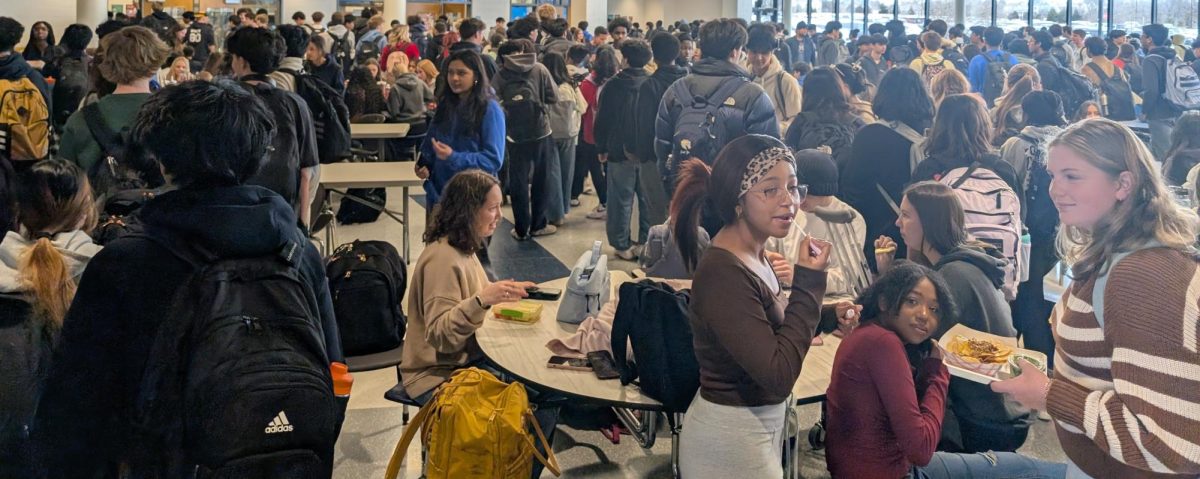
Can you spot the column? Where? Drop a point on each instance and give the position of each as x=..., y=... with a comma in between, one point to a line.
x=395, y=10
x=488, y=10
x=91, y=13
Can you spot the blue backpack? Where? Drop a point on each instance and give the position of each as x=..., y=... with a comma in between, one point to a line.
x=699, y=129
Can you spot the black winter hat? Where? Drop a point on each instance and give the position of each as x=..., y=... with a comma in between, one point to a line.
x=817, y=169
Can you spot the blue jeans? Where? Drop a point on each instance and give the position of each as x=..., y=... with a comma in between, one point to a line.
x=1160, y=137
x=559, y=178
x=987, y=465
x=623, y=185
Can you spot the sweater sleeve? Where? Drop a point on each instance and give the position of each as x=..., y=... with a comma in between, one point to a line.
x=490, y=156
x=1149, y=419
x=915, y=420
x=451, y=315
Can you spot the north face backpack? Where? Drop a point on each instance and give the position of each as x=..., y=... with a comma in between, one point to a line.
x=474, y=427
x=1118, y=96
x=367, y=280
x=239, y=383
x=120, y=189
x=699, y=128
x=1182, y=86
x=1041, y=217
x=523, y=111
x=931, y=70
x=994, y=75
x=993, y=215
x=24, y=121
x=653, y=318
x=331, y=117
x=343, y=52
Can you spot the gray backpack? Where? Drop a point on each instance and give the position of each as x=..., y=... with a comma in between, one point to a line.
x=588, y=287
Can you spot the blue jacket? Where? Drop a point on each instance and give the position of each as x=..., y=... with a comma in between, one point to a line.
x=977, y=70
x=483, y=150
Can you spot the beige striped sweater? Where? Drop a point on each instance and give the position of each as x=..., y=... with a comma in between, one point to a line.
x=1126, y=399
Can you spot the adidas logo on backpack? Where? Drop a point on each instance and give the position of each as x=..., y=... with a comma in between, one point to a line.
x=279, y=424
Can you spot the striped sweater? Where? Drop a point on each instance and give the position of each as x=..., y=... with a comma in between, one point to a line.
x=1126, y=397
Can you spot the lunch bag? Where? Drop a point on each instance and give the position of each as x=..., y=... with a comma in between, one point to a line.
x=587, y=287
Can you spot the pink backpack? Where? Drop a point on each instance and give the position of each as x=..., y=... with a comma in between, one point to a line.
x=993, y=215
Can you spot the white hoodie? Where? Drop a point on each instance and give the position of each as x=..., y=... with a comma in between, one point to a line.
x=76, y=247
x=841, y=276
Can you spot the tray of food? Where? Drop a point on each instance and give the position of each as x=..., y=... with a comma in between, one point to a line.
x=983, y=357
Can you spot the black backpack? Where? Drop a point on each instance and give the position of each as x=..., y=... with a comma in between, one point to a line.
x=815, y=131
x=331, y=117
x=69, y=89
x=653, y=317
x=1059, y=52
x=120, y=189
x=994, y=76
x=524, y=112
x=343, y=52
x=1041, y=217
x=239, y=381
x=699, y=131
x=367, y=280
x=1075, y=89
x=1118, y=95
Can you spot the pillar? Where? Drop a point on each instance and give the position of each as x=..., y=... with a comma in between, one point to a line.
x=395, y=10
x=90, y=12
x=488, y=10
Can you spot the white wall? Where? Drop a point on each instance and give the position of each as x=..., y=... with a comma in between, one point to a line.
x=308, y=7
x=488, y=10
x=60, y=13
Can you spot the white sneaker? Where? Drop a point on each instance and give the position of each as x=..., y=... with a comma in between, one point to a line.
x=599, y=213
x=575, y=202
x=547, y=231
x=1043, y=415
x=630, y=254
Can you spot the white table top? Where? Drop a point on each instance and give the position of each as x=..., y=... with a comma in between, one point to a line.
x=1055, y=283
x=369, y=175
x=520, y=349
x=378, y=131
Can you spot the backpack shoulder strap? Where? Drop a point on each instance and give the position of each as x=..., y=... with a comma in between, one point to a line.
x=1098, y=71
x=101, y=132
x=966, y=175
x=1102, y=281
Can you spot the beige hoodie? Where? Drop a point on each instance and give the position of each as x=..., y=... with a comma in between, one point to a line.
x=784, y=91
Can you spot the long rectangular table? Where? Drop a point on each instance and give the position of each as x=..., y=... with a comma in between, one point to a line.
x=343, y=176
x=379, y=131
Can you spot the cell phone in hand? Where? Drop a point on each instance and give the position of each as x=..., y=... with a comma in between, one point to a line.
x=603, y=365
x=573, y=364
x=543, y=294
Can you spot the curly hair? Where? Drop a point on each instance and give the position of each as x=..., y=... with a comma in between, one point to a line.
x=454, y=216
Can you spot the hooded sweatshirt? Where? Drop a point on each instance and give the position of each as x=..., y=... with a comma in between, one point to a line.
x=409, y=96
x=1154, y=80
x=76, y=248
x=830, y=52
x=521, y=67
x=84, y=420
x=842, y=277
x=974, y=278
x=783, y=90
x=928, y=59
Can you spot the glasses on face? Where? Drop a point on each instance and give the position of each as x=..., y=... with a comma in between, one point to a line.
x=797, y=193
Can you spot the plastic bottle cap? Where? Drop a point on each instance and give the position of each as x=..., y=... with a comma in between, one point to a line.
x=343, y=381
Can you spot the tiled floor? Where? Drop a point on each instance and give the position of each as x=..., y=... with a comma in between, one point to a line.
x=372, y=425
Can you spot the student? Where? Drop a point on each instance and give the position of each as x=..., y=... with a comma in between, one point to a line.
x=826, y=118
x=665, y=48
x=946, y=83
x=295, y=41
x=407, y=96
x=130, y=58
x=565, y=120
x=323, y=65
x=961, y=135
x=208, y=139
x=932, y=224
x=467, y=130
x=977, y=72
x=770, y=75
x=13, y=66
x=1007, y=116
x=831, y=50
x=372, y=39
x=803, y=48
x=880, y=159
x=290, y=167
x=556, y=40
x=931, y=62
x=872, y=63
x=687, y=50
x=158, y=21
x=341, y=41
x=889, y=389
x=1081, y=55
x=529, y=157
x=1131, y=251
x=614, y=137
x=1184, y=152
x=749, y=341
x=471, y=33
x=1089, y=109
x=1160, y=112
x=40, y=268
x=604, y=67
x=40, y=47
x=364, y=95
x=70, y=71
x=400, y=40
x=201, y=38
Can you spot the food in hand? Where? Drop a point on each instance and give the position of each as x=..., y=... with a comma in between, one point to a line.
x=888, y=250
x=1014, y=367
x=980, y=350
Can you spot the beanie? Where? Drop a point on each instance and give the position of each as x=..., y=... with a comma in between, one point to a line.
x=817, y=170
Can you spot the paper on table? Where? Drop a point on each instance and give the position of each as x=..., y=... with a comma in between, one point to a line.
x=1002, y=373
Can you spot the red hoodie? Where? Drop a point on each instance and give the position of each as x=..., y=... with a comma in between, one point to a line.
x=590, y=91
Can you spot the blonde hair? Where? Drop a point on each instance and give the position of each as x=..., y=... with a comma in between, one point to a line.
x=1021, y=80
x=375, y=22
x=400, y=34
x=263, y=20
x=1148, y=214
x=428, y=68
x=946, y=83
x=131, y=54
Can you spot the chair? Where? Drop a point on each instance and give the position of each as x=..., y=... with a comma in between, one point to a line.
x=397, y=394
x=379, y=145
x=382, y=360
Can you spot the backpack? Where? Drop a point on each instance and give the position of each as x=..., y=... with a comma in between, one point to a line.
x=996, y=70
x=588, y=287
x=956, y=58
x=816, y=132
x=653, y=318
x=120, y=189
x=931, y=70
x=1040, y=215
x=69, y=89
x=661, y=257
x=1182, y=85
x=331, y=117
x=523, y=110
x=475, y=427
x=1059, y=52
x=351, y=211
x=993, y=215
x=24, y=121
x=26, y=350
x=367, y=280
x=1117, y=98
x=1075, y=89
x=239, y=382
x=562, y=115
x=900, y=54
x=368, y=49
x=699, y=129
x=343, y=52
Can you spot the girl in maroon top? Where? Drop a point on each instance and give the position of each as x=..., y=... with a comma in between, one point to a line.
x=888, y=391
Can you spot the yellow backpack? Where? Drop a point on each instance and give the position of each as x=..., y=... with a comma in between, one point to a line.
x=474, y=428
x=24, y=121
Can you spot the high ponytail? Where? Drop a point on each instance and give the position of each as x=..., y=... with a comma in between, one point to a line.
x=51, y=286
x=691, y=192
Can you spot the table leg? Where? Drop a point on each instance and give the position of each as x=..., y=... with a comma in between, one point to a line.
x=404, y=197
x=676, y=423
x=329, y=228
x=643, y=431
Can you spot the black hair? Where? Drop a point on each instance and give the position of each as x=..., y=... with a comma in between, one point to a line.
x=892, y=287
x=1115, y=34
x=600, y=30
x=665, y=47
x=761, y=38
x=876, y=29
x=261, y=48
x=979, y=30
x=853, y=76
x=111, y=26
x=1019, y=47
x=205, y=134
x=619, y=22
x=1043, y=108
x=993, y=36
x=583, y=24
x=189, y=16
x=902, y=97
x=524, y=27
x=955, y=31
x=1157, y=33
x=938, y=26
x=557, y=65
x=636, y=52
x=605, y=65
x=1095, y=46
x=824, y=92
x=413, y=20
x=10, y=33
x=833, y=26
x=298, y=16
x=470, y=27
x=76, y=37
x=295, y=39
x=1043, y=39
x=577, y=54
x=720, y=37
x=1079, y=31
x=471, y=108
x=32, y=46
x=1055, y=30
x=556, y=27
x=802, y=68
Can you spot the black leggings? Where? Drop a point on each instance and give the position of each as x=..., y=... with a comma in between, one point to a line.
x=586, y=161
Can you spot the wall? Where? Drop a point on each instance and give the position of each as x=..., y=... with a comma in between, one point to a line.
x=488, y=10
x=308, y=7
x=60, y=13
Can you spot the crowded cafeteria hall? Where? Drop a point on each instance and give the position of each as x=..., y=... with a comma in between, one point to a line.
x=603, y=239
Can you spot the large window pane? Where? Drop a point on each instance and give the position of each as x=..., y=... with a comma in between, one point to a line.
x=977, y=12
x=1180, y=16
x=944, y=10
x=1046, y=12
x=823, y=13
x=851, y=16
x=799, y=12
x=881, y=11
x=912, y=12
x=1011, y=14
x=1085, y=15
x=1130, y=15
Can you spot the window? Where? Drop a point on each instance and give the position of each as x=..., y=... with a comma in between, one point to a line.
x=1085, y=14
x=1130, y=15
x=977, y=13
x=822, y=13
x=851, y=16
x=1011, y=14
x=881, y=11
x=799, y=12
x=944, y=10
x=912, y=12
x=1180, y=16
x=1047, y=12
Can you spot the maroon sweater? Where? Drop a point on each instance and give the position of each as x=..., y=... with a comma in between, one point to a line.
x=878, y=426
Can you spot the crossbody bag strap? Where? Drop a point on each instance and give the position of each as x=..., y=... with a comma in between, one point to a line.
x=548, y=460
x=410, y=432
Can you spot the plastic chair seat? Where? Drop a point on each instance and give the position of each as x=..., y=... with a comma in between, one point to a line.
x=371, y=362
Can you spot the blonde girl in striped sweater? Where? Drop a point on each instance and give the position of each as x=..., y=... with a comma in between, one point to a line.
x=1125, y=398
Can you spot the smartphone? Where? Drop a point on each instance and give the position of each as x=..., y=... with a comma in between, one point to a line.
x=603, y=365
x=574, y=364
x=544, y=294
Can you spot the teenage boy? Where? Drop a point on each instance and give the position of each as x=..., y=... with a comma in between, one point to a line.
x=615, y=140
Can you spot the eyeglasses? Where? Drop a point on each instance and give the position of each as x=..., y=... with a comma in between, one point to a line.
x=775, y=193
